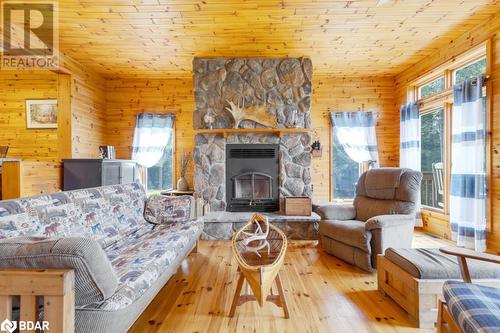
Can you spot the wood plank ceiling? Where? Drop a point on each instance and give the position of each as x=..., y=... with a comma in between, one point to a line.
x=146, y=38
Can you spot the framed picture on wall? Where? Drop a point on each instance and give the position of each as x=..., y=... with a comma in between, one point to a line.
x=41, y=113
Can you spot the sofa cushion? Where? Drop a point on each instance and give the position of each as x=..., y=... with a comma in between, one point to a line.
x=165, y=209
x=17, y=220
x=95, y=279
x=141, y=257
x=350, y=232
x=434, y=264
x=474, y=308
x=110, y=212
x=105, y=214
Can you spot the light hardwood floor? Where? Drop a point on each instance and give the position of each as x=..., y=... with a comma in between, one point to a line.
x=324, y=294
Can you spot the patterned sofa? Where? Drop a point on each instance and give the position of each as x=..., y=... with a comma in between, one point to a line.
x=122, y=246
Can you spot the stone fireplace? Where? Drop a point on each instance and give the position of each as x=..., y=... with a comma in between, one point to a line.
x=252, y=94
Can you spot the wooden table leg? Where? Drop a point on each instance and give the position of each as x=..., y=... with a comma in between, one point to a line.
x=282, y=296
x=237, y=293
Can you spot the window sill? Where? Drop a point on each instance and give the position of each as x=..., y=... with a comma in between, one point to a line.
x=435, y=213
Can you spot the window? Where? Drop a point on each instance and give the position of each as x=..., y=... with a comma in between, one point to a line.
x=475, y=69
x=431, y=158
x=431, y=88
x=160, y=175
x=345, y=172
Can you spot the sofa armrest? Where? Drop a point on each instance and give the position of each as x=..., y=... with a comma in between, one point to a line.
x=389, y=221
x=464, y=254
x=95, y=279
x=332, y=211
x=165, y=209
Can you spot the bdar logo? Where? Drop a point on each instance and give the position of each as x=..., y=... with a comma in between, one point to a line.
x=8, y=326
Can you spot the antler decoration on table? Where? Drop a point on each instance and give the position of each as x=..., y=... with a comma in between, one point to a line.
x=259, y=235
x=257, y=113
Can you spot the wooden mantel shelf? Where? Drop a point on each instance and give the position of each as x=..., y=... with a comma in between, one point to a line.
x=276, y=131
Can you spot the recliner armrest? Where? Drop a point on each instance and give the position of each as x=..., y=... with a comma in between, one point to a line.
x=332, y=211
x=388, y=221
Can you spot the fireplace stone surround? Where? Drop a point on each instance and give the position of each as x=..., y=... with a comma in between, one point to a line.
x=210, y=175
x=278, y=88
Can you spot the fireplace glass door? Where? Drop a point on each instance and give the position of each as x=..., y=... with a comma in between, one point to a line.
x=253, y=186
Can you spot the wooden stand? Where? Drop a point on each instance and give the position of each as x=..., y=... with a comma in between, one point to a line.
x=419, y=297
x=57, y=286
x=278, y=300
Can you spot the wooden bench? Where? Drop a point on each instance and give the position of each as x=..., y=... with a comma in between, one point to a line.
x=56, y=286
x=418, y=297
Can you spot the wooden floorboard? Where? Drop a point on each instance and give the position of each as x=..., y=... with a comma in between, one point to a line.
x=324, y=294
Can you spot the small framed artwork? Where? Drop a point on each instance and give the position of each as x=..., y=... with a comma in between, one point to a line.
x=41, y=113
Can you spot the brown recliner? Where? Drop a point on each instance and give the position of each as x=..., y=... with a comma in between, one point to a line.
x=382, y=216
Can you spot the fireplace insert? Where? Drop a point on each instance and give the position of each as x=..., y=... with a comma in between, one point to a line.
x=252, y=172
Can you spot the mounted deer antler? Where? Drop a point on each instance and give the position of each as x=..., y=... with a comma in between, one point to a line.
x=257, y=113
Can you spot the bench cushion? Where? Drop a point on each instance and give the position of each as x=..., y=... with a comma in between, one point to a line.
x=433, y=264
x=474, y=308
x=95, y=279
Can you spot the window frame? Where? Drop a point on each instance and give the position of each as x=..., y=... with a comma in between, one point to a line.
x=455, y=70
x=446, y=134
x=445, y=100
x=362, y=167
x=420, y=86
x=174, y=165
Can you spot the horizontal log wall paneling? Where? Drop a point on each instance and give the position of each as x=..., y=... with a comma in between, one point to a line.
x=15, y=89
x=125, y=98
x=88, y=108
x=487, y=30
x=28, y=178
x=81, y=121
x=352, y=94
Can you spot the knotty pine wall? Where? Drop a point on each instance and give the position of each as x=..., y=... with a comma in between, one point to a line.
x=81, y=121
x=333, y=94
x=15, y=88
x=126, y=97
x=436, y=223
x=88, y=110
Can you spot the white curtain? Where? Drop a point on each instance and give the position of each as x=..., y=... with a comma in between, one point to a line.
x=409, y=151
x=468, y=166
x=357, y=136
x=152, y=134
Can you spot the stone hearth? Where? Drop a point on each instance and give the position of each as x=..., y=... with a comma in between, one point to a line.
x=222, y=225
